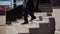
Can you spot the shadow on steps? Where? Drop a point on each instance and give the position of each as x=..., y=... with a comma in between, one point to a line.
x=44, y=29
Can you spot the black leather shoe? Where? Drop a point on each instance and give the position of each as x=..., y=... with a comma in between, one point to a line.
x=24, y=23
x=33, y=18
x=8, y=23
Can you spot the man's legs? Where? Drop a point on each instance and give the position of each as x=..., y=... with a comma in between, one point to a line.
x=32, y=15
x=25, y=14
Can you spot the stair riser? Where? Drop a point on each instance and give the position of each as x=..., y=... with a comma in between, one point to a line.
x=57, y=32
x=45, y=19
x=44, y=9
x=41, y=15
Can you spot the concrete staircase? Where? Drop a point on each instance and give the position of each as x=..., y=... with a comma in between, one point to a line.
x=37, y=26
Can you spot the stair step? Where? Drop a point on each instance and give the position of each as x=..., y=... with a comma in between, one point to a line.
x=40, y=14
x=44, y=29
x=41, y=19
x=33, y=25
x=34, y=30
x=11, y=30
x=45, y=4
x=30, y=25
x=49, y=17
x=2, y=20
x=24, y=27
x=49, y=14
x=20, y=28
x=2, y=29
x=57, y=32
x=45, y=9
x=45, y=19
x=27, y=26
x=37, y=22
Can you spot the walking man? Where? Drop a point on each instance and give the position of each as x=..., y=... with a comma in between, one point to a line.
x=28, y=8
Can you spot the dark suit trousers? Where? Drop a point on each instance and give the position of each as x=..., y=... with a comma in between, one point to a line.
x=26, y=12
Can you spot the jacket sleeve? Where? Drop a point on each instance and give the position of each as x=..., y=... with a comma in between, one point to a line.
x=24, y=3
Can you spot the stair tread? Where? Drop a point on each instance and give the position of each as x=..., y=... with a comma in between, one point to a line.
x=11, y=30
x=40, y=22
x=35, y=21
x=20, y=28
x=34, y=30
x=32, y=25
x=48, y=17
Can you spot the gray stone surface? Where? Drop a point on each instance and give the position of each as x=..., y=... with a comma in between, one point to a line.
x=2, y=29
x=56, y=14
x=2, y=24
x=2, y=19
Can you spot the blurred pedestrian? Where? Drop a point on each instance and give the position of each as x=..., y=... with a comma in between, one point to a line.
x=28, y=8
